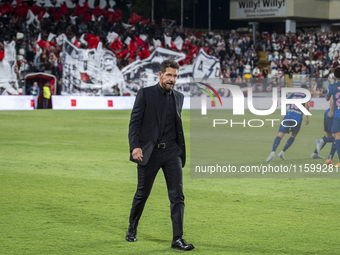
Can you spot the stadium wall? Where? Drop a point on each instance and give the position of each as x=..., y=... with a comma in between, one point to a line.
x=334, y=7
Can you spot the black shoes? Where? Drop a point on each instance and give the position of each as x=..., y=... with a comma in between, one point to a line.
x=131, y=235
x=181, y=244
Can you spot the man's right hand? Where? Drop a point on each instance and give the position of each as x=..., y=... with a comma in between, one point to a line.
x=137, y=154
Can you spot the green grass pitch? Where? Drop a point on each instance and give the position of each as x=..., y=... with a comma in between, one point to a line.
x=66, y=187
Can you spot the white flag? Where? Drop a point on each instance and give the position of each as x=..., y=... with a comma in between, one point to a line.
x=126, y=25
x=111, y=36
x=60, y=39
x=157, y=43
x=46, y=15
x=179, y=43
x=73, y=19
x=143, y=37
x=50, y=37
x=32, y=19
x=127, y=40
x=82, y=40
x=167, y=40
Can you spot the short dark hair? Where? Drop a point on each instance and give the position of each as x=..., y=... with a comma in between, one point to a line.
x=337, y=72
x=169, y=63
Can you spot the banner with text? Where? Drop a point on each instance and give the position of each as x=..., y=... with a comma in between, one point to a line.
x=260, y=8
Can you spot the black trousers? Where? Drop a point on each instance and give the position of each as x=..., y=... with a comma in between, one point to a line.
x=169, y=160
x=45, y=102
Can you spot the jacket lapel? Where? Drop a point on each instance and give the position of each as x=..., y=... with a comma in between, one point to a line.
x=177, y=101
x=157, y=103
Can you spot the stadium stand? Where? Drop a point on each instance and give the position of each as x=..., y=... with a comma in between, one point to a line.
x=35, y=31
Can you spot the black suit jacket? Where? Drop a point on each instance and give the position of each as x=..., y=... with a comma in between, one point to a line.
x=145, y=122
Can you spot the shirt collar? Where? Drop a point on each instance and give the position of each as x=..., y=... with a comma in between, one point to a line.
x=163, y=91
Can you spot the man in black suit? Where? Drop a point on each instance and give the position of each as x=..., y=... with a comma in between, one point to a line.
x=157, y=141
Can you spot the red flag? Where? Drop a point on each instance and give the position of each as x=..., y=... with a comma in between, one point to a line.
x=41, y=43
x=139, y=41
x=52, y=10
x=21, y=11
x=186, y=45
x=56, y=17
x=97, y=11
x=47, y=45
x=185, y=61
x=79, y=11
x=117, y=45
x=132, y=46
x=86, y=17
x=41, y=15
x=114, y=16
x=6, y=8
x=192, y=50
x=75, y=42
x=84, y=77
x=113, y=45
x=88, y=36
x=2, y=55
x=134, y=18
x=123, y=53
x=144, y=21
x=173, y=45
x=132, y=55
x=36, y=9
x=63, y=10
x=93, y=42
x=144, y=53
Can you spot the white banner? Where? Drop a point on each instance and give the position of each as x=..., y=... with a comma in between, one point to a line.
x=8, y=77
x=16, y=103
x=98, y=103
x=206, y=66
x=126, y=103
x=260, y=8
x=92, y=103
x=144, y=73
x=92, y=72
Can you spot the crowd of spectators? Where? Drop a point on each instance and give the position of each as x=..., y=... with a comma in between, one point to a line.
x=303, y=53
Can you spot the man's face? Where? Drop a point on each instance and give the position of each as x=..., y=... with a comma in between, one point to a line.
x=168, y=79
x=35, y=83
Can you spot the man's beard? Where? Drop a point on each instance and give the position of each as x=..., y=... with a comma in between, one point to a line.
x=165, y=87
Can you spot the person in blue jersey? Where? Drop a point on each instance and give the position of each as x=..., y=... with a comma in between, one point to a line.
x=334, y=92
x=291, y=123
x=328, y=137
